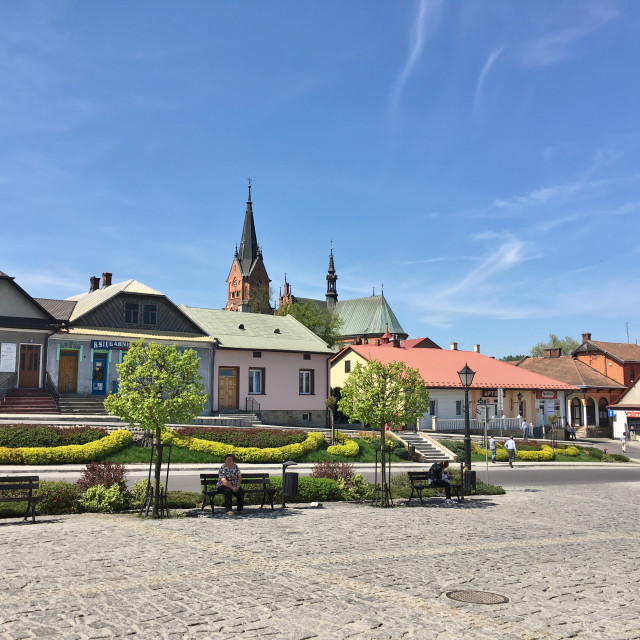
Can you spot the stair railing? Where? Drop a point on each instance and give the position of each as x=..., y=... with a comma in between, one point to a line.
x=251, y=404
x=50, y=386
x=7, y=384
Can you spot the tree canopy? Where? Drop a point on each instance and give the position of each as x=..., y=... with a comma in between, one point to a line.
x=567, y=344
x=320, y=320
x=378, y=395
x=158, y=384
x=260, y=301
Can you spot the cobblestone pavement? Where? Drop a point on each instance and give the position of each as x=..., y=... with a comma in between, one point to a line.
x=566, y=559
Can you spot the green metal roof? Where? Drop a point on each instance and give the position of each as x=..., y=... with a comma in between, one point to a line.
x=370, y=316
x=237, y=330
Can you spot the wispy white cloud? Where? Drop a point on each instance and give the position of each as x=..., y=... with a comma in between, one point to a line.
x=558, y=46
x=425, y=21
x=493, y=56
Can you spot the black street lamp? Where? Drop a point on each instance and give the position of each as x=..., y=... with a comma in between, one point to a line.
x=466, y=378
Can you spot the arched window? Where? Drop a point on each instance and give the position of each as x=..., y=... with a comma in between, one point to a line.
x=591, y=411
x=576, y=413
x=602, y=411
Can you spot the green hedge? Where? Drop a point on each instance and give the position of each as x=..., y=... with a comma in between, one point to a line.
x=260, y=438
x=41, y=435
x=74, y=453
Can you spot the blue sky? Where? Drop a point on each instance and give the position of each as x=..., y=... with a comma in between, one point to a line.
x=481, y=159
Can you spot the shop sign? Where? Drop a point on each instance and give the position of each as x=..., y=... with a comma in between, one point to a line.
x=489, y=393
x=70, y=345
x=115, y=345
x=633, y=414
x=547, y=395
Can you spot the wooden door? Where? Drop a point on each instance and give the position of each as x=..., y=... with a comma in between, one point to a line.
x=68, y=372
x=227, y=388
x=29, y=365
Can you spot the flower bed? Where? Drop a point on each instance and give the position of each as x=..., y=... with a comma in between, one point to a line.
x=245, y=454
x=73, y=453
x=347, y=446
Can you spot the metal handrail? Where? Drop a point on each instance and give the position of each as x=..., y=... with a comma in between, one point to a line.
x=50, y=386
x=251, y=404
x=7, y=384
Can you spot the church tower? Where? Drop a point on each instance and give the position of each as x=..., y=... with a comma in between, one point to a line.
x=332, y=294
x=248, y=277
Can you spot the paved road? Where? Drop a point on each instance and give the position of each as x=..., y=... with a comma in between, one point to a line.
x=569, y=565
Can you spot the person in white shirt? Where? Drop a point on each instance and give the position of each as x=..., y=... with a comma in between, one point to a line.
x=623, y=441
x=510, y=446
x=492, y=448
x=524, y=429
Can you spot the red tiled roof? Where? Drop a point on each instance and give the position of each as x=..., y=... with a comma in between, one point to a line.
x=569, y=370
x=439, y=368
x=620, y=350
x=420, y=343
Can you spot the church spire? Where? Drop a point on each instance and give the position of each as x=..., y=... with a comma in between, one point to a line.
x=249, y=249
x=332, y=294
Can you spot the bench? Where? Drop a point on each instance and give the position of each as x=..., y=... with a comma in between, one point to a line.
x=420, y=481
x=251, y=483
x=21, y=489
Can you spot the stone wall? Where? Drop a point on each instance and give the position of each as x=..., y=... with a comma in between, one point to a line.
x=294, y=418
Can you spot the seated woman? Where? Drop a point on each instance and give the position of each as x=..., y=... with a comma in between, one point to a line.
x=229, y=481
x=438, y=478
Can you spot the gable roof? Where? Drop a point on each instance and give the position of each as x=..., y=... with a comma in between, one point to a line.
x=60, y=309
x=235, y=330
x=621, y=351
x=48, y=319
x=569, y=370
x=439, y=368
x=370, y=316
x=86, y=302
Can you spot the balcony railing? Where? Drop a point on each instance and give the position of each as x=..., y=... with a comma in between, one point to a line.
x=7, y=384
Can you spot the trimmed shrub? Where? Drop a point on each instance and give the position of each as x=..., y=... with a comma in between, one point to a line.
x=104, y=499
x=260, y=438
x=39, y=435
x=357, y=489
x=103, y=473
x=78, y=453
x=246, y=454
x=311, y=490
x=568, y=451
x=183, y=499
x=139, y=491
x=347, y=446
x=58, y=497
x=616, y=457
x=333, y=470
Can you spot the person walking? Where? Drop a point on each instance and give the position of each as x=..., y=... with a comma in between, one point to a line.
x=573, y=433
x=510, y=446
x=492, y=448
x=623, y=441
x=524, y=429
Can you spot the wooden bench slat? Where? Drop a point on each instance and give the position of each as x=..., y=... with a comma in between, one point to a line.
x=21, y=483
x=209, y=483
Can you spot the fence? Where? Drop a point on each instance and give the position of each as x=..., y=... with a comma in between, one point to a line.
x=494, y=425
x=7, y=384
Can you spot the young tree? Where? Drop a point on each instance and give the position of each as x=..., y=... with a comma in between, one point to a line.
x=379, y=395
x=158, y=384
x=567, y=344
x=260, y=301
x=320, y=320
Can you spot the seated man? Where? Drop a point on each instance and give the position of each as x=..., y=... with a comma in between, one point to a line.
x=229, y=481
x=438, y=478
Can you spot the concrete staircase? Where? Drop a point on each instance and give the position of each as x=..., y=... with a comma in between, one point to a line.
x=429, y=452
x=246, y=419
x=23, y=401
x=82, y=405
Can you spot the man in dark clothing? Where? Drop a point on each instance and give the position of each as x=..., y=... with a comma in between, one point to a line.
x=438, y=478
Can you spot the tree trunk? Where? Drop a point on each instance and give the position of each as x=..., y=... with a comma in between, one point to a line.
x=158, y=468
x=384, y=489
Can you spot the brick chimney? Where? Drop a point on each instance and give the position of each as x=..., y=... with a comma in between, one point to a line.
x=586, y=337
x=476, y=348
x=396, y=341
x=554, y=352
x=94, y=283
x=454, y=346
x=106, y=279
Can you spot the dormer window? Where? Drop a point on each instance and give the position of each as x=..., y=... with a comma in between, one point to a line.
x=149, y=314
x=131, y=312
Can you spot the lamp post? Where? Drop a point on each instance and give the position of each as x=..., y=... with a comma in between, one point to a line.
x=466, y=378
